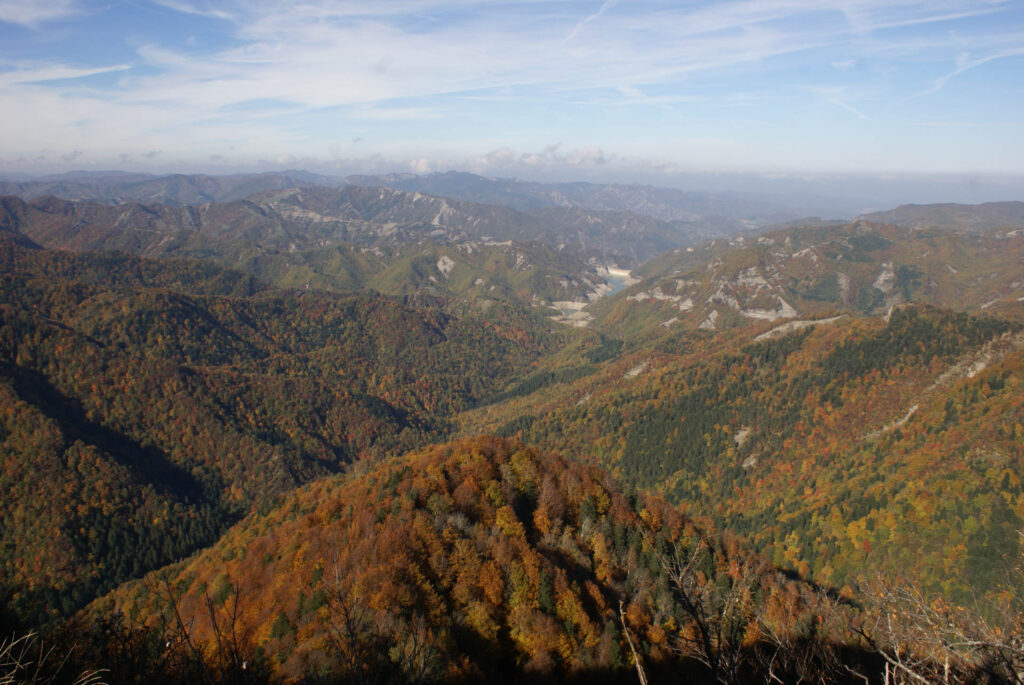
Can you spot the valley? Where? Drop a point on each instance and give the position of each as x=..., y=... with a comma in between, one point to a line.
x=440, y=342
x=548, y=431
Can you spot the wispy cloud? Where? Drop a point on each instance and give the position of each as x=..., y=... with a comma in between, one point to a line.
x=325, y=54
x=374, y=69
x=552, y=156
x=843, y=98
x=965, y=63
x=605, y=6
x=849, y=108
x=190, y=8
x=377, y=113
x=33, y=13
x=26, y=74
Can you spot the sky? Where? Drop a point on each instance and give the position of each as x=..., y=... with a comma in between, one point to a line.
x=608, y=89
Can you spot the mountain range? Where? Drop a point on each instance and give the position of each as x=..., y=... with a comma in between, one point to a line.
x=118, y=187
x=955, y=217
x=335, y=431
x=818, y=271
x=190, y=189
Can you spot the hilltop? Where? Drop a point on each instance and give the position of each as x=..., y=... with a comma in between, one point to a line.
x=480, y=559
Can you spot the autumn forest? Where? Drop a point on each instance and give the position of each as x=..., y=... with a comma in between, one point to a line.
x=376, y=436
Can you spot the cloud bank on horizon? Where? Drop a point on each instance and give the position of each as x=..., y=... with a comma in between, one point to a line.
x=520, y=87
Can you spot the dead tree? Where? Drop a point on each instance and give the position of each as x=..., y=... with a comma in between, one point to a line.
x=719, y=606
x=932, y=641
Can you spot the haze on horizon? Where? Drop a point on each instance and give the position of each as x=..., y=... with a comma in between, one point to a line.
x=611, y=90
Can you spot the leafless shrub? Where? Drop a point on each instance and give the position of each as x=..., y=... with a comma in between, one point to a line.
x=930, y=640
x=28, y=659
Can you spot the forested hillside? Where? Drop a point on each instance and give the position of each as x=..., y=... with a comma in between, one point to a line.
x=397, y=245
x=842, y=449
x=250, y=466
x=147, y=404
x=708, y=214
x=314, y=217
x=815, y=271
x=485, y=559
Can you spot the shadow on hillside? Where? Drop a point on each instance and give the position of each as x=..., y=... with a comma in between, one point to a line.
x=148, y=464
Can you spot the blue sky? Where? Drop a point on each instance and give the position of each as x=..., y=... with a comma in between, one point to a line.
x=591, y=89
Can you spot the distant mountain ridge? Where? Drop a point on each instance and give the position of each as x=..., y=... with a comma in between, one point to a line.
x=819, y=270
x=345, y=240
x=304, y=218
x=668, y=204
x=846, y=396
x=706, y=214
x=174, y=189
x=955, y=217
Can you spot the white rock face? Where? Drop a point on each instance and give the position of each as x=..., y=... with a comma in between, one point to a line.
x=886, y=280
x=806, y=252
x=722, y=297
x=445, y=265
x=576, y=319
x=710, y=323
x=976, y=368
x=654, y=294
x=844, y=285
x=752, y=278
x=783, y=311
x=791, y=326
x=684, y=283
x=572, y=314
x=442, y=214
x=636, y=370
x=892, y=425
